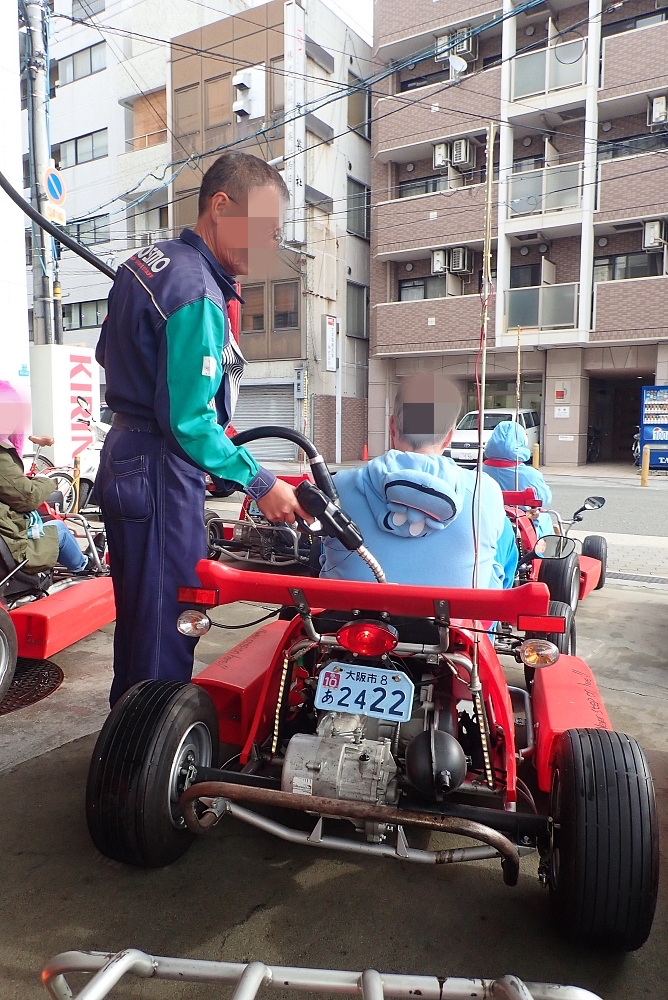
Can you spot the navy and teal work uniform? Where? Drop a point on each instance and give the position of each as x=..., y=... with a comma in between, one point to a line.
x=172, y=374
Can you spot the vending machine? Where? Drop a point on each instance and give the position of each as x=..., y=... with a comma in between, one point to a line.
x=654, y=424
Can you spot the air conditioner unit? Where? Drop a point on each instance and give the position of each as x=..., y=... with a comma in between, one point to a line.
x=439, y=261
x=442, y=49
x=441, y=156
x=463, y=154
x=465, y=44
x=654, y=235
x=461, y=260
x=657, y=113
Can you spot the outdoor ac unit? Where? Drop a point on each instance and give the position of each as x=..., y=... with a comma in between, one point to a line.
x=441, y=155
x=460, y=43
x=442, y=48
x=653, y=235
x=463, y=154
x=657, y=113
x=461, y=260
x=439, y=261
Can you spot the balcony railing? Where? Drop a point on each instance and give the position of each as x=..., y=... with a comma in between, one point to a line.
x=144, y=141
x=549, y=69
x=549, y=189
x=542, y=307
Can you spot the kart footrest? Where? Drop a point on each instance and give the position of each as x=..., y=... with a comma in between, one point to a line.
x=46, y=626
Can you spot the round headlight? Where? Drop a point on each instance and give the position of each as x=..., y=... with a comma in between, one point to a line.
x=193, y=623
x=538, y=653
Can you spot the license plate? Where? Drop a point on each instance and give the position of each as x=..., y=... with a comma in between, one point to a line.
x=380, y=694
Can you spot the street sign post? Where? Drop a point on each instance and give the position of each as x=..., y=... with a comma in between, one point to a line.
x=54, y=188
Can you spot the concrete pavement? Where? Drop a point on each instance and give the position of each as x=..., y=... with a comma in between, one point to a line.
x=240, y=894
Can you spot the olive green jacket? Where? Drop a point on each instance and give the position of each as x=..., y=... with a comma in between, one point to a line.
x=18, y=496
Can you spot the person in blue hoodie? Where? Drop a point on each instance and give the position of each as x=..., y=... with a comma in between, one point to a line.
x=415, y=508
x=505, y=454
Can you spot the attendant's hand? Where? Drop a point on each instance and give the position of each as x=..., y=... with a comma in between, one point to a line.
x=280, y=504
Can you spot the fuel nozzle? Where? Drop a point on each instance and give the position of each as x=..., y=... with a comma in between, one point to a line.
x=335, y=523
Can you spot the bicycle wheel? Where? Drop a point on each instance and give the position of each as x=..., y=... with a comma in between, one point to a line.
x=65, y=483
x=41, y=462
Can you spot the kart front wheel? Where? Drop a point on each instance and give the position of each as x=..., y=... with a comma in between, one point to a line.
x=562, y=577
x=604, y=845
x=139, y=771
x=214, y=533
x=596, y=547
x=8, y=652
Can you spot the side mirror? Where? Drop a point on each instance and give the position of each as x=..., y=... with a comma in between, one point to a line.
x=83, y=404
x=594, y=503
x=554, y=547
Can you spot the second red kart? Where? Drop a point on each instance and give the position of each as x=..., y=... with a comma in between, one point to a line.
x=371, y=711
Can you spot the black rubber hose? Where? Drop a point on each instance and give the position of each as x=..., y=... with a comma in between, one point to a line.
x=55, y=231
x=321, y=474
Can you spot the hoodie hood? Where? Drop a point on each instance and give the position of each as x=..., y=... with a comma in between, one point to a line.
x=411, y=494
x=508, y=442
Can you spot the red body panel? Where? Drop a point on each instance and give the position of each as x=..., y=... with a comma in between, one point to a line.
x=238, y=683
x=564, y=696
x=590, y=574
x=46, y=626
x=342, y=595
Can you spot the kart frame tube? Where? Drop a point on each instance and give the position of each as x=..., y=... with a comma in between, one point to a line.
x=346, y=809
x=108, y=970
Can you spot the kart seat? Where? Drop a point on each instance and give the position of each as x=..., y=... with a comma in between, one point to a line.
x=20, y=584
x=41, y=442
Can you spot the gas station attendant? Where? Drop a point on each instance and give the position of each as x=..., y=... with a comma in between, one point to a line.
x=172, y=373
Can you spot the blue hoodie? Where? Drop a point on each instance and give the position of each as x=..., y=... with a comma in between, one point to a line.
x=509, y=443
x=415, y=513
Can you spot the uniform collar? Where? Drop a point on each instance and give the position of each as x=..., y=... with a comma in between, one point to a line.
x=224, y=280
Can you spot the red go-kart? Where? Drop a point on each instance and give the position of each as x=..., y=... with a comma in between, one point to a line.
x=378, y=710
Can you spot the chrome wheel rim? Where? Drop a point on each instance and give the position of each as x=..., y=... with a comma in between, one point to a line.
x=193, y=750
x=575, y=589
x=5, y=657
x=555, y=810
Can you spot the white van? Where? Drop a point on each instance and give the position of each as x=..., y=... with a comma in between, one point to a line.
x=464, y=445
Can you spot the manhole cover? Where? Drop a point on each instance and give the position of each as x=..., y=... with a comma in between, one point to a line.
x=33, y=680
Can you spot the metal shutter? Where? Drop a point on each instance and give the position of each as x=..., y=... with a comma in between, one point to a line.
x=267, y=404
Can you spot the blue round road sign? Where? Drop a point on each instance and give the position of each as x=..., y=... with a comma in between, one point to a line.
x=54, y=186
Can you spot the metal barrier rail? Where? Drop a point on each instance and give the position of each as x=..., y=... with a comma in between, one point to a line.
x=109, y=969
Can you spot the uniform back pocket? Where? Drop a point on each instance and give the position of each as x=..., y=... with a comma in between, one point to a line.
x=126, y=495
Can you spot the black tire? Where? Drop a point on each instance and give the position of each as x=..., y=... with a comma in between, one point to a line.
x=604, y=854
x=214, y=533
x=132, y=814
x=85, y=492
x=8, y=652
x=562, y=577
x=565, y=642
x=597, y=547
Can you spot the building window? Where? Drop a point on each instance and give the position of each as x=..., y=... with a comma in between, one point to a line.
x=217, y=101
x=252, y=311
x=286, y=305
x=357, y=311
x=632, y=145
x=422, y=288
x=26, y=173
x=277, y=84
x=90, y=230
x=186, y=110
x=631, y=23
x=82, y=315
x=359, y=107
x=628, y=265
x=149, y=121
x=82, y=63
x=423, y=185
x=525, y=275
x=81, y=150
x=28, y=236
x=359, y=209
x=86, y=8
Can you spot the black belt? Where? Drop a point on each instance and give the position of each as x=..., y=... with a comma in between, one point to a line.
x=127, y=422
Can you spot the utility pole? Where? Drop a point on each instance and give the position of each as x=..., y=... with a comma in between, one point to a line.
x=40, y=160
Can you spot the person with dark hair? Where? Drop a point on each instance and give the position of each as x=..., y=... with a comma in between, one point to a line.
x=172, y=373
x=416, y=509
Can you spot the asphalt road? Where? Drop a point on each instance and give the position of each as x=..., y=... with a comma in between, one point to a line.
x=628, y=509
x=239, y=894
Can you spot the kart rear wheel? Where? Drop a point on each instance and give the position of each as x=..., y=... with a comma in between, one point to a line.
x=8, y=652
x=137, y=773
x=562, y=577
x=604, y=851
x=214, y=533
x=565, y=642
x=597, y=547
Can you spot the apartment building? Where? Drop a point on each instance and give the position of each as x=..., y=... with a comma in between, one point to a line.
x=110, y=136
x=241, y=83
x=580, y=199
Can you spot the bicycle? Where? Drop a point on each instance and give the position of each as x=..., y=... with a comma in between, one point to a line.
x=40, y=465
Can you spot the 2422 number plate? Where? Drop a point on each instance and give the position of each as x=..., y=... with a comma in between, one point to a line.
x=381, y=694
